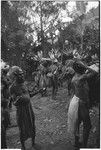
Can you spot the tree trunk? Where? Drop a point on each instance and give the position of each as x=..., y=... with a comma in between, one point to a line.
x=42, y=32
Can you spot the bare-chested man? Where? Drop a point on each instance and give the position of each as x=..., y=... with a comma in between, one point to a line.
x=79, y=105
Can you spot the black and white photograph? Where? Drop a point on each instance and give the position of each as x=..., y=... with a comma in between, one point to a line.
x=50, y=75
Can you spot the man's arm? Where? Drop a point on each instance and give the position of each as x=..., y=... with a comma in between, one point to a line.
x=90, y=72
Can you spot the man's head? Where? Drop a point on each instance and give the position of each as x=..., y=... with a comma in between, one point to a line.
x=79, y=67
x=16, y=73
x=5, y=69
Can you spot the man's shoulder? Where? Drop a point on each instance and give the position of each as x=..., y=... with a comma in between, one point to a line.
x=79, y=77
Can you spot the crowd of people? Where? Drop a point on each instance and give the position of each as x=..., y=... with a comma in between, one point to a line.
x=78, y=77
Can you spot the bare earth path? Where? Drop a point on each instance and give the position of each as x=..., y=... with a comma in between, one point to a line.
x=51, y=124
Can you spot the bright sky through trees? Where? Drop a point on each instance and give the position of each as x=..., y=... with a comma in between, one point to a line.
x=72, y=5
x=64, y=17
x=91, y=4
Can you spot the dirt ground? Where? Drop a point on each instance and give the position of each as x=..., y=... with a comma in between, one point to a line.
x=51, y=124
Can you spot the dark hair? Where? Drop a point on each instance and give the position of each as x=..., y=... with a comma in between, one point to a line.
x=20, y=78
x=18, y=73
x=79, y=67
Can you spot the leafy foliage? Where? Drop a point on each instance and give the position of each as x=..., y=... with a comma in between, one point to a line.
x=27, y=24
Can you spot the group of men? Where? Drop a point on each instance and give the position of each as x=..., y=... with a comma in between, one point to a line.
x=78, y=77
x=53, y=75
x=84, y=82
x=46, y=76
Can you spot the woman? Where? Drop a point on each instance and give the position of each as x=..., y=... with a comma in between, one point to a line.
x=79, y=105
x=24, y=111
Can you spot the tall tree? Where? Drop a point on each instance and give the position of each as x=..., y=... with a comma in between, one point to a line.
x=13, y=32
x=46, y=24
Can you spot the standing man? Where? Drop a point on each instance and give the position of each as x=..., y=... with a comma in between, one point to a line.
x=54, y=78
x=79, y=105
x=24, y=112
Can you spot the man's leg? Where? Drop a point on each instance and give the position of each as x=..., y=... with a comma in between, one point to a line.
x=33, y=136
x=56, y=84
x=10, y=103
x=69, y=86
x=77, y=143
x=3, y=137
x=53, y=88
x=22, y=143
x=84, y=115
